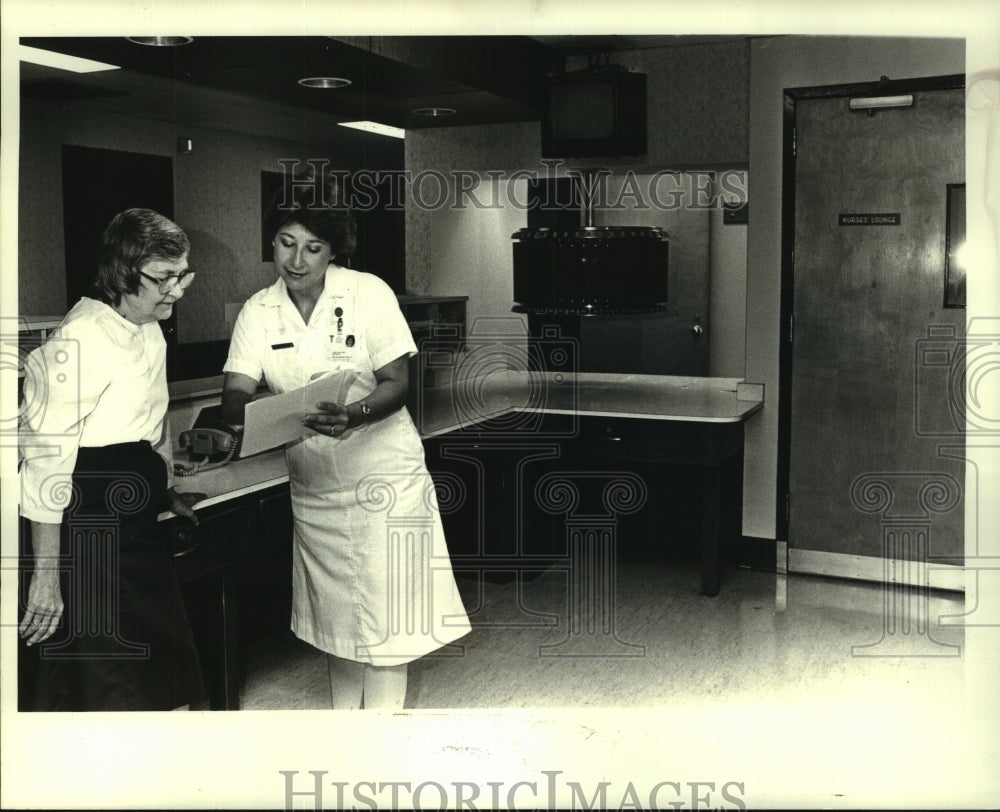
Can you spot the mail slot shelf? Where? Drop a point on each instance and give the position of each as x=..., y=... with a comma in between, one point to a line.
x=421, y=312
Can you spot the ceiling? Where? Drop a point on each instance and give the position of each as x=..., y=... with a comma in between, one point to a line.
x=250, y=84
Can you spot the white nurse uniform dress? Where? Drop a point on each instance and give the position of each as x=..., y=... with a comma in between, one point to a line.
x=371, y=576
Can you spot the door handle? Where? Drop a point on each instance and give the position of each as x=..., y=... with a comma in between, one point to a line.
x=697, y=330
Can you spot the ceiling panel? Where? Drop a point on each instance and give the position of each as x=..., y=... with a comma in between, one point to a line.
x=250, y=84
x=268, y=69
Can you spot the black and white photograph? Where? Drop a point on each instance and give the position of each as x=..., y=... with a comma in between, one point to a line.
x=480, y=406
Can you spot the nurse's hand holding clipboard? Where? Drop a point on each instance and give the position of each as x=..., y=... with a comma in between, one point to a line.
x=388, y=396
x=333, y=419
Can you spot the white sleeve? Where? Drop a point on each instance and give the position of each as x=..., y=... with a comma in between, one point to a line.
x=387, y=333
x=244, y=347
x=63, y=383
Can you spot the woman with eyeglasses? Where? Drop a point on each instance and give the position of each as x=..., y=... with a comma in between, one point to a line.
x=103, y=609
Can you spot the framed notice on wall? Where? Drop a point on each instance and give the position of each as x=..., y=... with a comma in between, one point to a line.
x=955, y=251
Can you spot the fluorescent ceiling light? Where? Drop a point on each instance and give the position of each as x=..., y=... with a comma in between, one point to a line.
x=51, y=59
x=876, y=102
x=374, y=127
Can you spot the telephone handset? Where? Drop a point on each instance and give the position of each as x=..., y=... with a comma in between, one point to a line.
x=211, y=442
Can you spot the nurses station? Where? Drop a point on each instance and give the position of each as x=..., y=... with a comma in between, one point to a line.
x=628, y=369
x=596, y=423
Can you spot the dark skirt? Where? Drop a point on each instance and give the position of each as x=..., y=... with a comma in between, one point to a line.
x=124, y=642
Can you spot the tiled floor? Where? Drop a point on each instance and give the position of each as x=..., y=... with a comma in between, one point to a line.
x=766, y=639
x=796, y=692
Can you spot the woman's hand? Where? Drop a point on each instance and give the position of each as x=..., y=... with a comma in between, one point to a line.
x=45, y=605
x=332, y=420
x=388, y=396
x=180, y=503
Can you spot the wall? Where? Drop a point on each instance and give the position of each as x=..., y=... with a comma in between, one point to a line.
x=216, y=201
x=463, y=247
x=697, y=103
x=775, y=64
x=727, y=297
x=697, y=114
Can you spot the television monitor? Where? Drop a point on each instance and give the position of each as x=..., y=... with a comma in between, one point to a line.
x=594, y=113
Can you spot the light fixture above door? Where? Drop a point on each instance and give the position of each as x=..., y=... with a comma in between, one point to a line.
x=879, y=102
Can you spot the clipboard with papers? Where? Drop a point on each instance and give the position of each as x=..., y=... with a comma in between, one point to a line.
x=273, y=421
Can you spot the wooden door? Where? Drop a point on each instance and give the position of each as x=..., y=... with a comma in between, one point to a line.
x=869, y=249
x=97, y=184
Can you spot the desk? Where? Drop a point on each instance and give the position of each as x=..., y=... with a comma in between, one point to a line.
x=214, y=560
x=590, y=420
x=502, y=420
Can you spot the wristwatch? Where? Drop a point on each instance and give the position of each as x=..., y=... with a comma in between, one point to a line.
x=366, y=410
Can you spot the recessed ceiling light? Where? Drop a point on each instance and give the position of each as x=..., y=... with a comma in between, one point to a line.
x=435, y=111
x=161, y=42
x=51, y=59
x=325, y=82
x=374, y=127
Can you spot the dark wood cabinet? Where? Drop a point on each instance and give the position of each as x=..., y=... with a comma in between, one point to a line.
x=234, y=568
x=266, y=576
x=491, y=527
x=220, y=539
x=669, y=489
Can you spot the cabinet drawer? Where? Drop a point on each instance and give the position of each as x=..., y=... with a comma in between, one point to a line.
x=637, y=439
x=220, y=539
x=666, y=441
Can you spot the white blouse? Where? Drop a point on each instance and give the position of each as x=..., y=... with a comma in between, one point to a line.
x=98, y=380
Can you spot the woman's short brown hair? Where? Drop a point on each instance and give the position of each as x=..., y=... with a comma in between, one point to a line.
x=133, y=239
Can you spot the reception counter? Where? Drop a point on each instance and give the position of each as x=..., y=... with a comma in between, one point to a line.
x=480, y=405
x=588, y=425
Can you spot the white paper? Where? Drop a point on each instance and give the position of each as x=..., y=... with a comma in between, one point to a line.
x=276, y=420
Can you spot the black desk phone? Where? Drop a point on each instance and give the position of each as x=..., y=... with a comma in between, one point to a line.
x=211, y=442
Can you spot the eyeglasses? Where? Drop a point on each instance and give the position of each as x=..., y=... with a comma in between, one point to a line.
x=168, y=283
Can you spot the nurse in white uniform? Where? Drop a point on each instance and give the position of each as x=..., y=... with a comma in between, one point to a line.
x=372, y=580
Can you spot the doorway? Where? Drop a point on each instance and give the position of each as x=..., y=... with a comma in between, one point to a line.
x=863, y=296
x=97, y=184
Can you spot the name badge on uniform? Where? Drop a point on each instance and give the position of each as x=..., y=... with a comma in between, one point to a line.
x=287, y=345
x=341, y=350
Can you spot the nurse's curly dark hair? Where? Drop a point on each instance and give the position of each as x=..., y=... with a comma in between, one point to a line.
x=315, y=203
